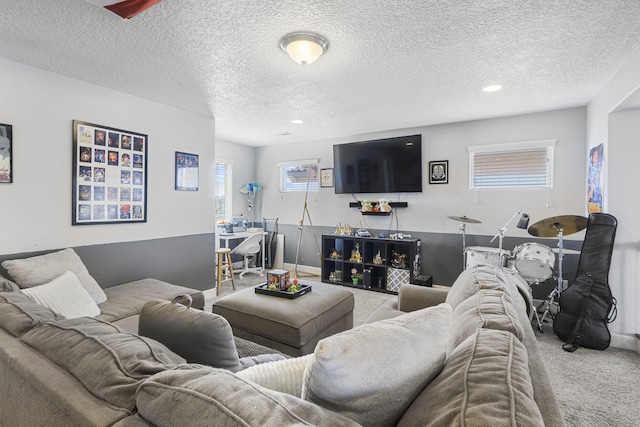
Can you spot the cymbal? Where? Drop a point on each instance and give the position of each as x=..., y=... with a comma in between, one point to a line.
x=550, y=227
x=566, y=251
x=464, y=218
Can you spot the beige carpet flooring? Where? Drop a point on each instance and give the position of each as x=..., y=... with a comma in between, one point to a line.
x=594, y=388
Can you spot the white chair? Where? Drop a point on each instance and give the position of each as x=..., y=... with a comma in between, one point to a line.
x=249, y=248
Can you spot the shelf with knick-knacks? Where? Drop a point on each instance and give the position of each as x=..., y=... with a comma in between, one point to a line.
x=377, y=207
x=377, y=264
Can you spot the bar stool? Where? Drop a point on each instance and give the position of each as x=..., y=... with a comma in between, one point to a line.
x=222, y=263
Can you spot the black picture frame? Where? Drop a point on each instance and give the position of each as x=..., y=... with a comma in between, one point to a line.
x=326, y=177
x=6, y=153
x=439, y=172
x=109, y=175
x=187, y=171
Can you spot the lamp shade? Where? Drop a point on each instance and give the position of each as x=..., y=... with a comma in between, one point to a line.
x=304, y=48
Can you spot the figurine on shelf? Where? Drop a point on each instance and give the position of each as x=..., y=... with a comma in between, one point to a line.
x=365, y=206
x=334, y=254
x=355, y=254
x=355, y=276
x=347, y=231
x=384, y=206
x=377, y=260
x=339, y=230
x=398, y=260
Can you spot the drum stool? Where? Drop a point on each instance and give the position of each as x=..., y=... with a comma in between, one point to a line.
x=224, y=262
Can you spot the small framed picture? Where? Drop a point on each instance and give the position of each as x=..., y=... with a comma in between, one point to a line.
x=6, y=160
x=326, y=177
x=187, y=168
x=439, y=172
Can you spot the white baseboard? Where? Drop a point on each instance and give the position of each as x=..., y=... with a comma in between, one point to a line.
x=210, y=293
x=626, y=342
x=303, y=269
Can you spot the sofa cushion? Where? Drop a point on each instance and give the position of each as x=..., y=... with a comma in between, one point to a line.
x=196, y=335
x=485, y=382
x=472, y=280
x=372, y=373
x=109, y=363
x=200, y=396
x=491, y=309
x=128, y=299
x=7, y=285
x=18, y=313
x=37, y=270
x=65, y=296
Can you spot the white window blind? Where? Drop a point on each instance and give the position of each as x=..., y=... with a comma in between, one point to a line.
x=293, y=175
x=223, y=194
x=515, y=165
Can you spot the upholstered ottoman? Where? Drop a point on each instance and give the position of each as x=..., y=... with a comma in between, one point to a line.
x=292, y=326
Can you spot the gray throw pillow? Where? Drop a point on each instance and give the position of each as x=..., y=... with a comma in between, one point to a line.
x=196, y=335
x=42, y=269
x=372, y=373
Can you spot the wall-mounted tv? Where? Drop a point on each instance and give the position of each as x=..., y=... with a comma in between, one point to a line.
x=392, y=165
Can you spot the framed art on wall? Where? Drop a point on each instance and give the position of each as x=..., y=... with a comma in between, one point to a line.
x=439, y=172
x=6, y=158
x=326, y=177
x=109, y=175
x=187, y=171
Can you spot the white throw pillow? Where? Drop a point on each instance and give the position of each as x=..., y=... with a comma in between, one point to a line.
x=372, y=373
x=64, y=296
x=280, y=375
x=34, y=271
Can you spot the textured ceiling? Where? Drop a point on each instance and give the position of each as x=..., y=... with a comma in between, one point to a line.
x=390, y=64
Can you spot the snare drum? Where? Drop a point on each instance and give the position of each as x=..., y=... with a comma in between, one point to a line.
x=479, y=255
x=534, y=261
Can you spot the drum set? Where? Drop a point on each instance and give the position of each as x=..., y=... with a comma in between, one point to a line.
x=534, y=262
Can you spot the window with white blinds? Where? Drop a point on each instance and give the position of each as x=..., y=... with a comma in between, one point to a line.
x=223, y=194
x=293, y=176
x=513, y=165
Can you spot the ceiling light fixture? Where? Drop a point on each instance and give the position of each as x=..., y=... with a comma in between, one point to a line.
x=304, y=48
x=492, y=88
x=297, y=121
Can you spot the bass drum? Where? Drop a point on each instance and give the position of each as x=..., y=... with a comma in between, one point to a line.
x=480, y=255
x=534, y=261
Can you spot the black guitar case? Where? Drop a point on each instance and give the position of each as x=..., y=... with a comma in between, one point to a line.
x=587, y=306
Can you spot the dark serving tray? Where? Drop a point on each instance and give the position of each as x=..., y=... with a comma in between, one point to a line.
x=264, y=289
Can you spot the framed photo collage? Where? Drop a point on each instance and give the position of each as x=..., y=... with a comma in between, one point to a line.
x=109, y=175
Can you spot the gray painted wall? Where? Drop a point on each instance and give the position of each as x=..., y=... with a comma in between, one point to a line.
x=185, y=260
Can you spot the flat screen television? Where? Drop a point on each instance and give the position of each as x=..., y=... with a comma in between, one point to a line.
x=392, y=165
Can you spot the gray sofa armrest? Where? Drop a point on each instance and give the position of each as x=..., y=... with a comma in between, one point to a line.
x=410, y=298
x=414, y=297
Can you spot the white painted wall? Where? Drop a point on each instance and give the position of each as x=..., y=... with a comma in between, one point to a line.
x=36, y=207
x=620, y=132
x=428, y=210
x=243, y=158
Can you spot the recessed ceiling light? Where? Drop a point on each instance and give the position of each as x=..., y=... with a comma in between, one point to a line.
x=297, y=121
x=492, y=88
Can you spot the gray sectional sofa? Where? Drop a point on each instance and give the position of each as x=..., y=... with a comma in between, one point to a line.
x=469, y=359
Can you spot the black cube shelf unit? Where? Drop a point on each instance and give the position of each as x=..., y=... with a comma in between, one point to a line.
x=378, y=266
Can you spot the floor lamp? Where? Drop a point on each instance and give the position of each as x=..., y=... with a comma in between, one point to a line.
x=305, y=211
